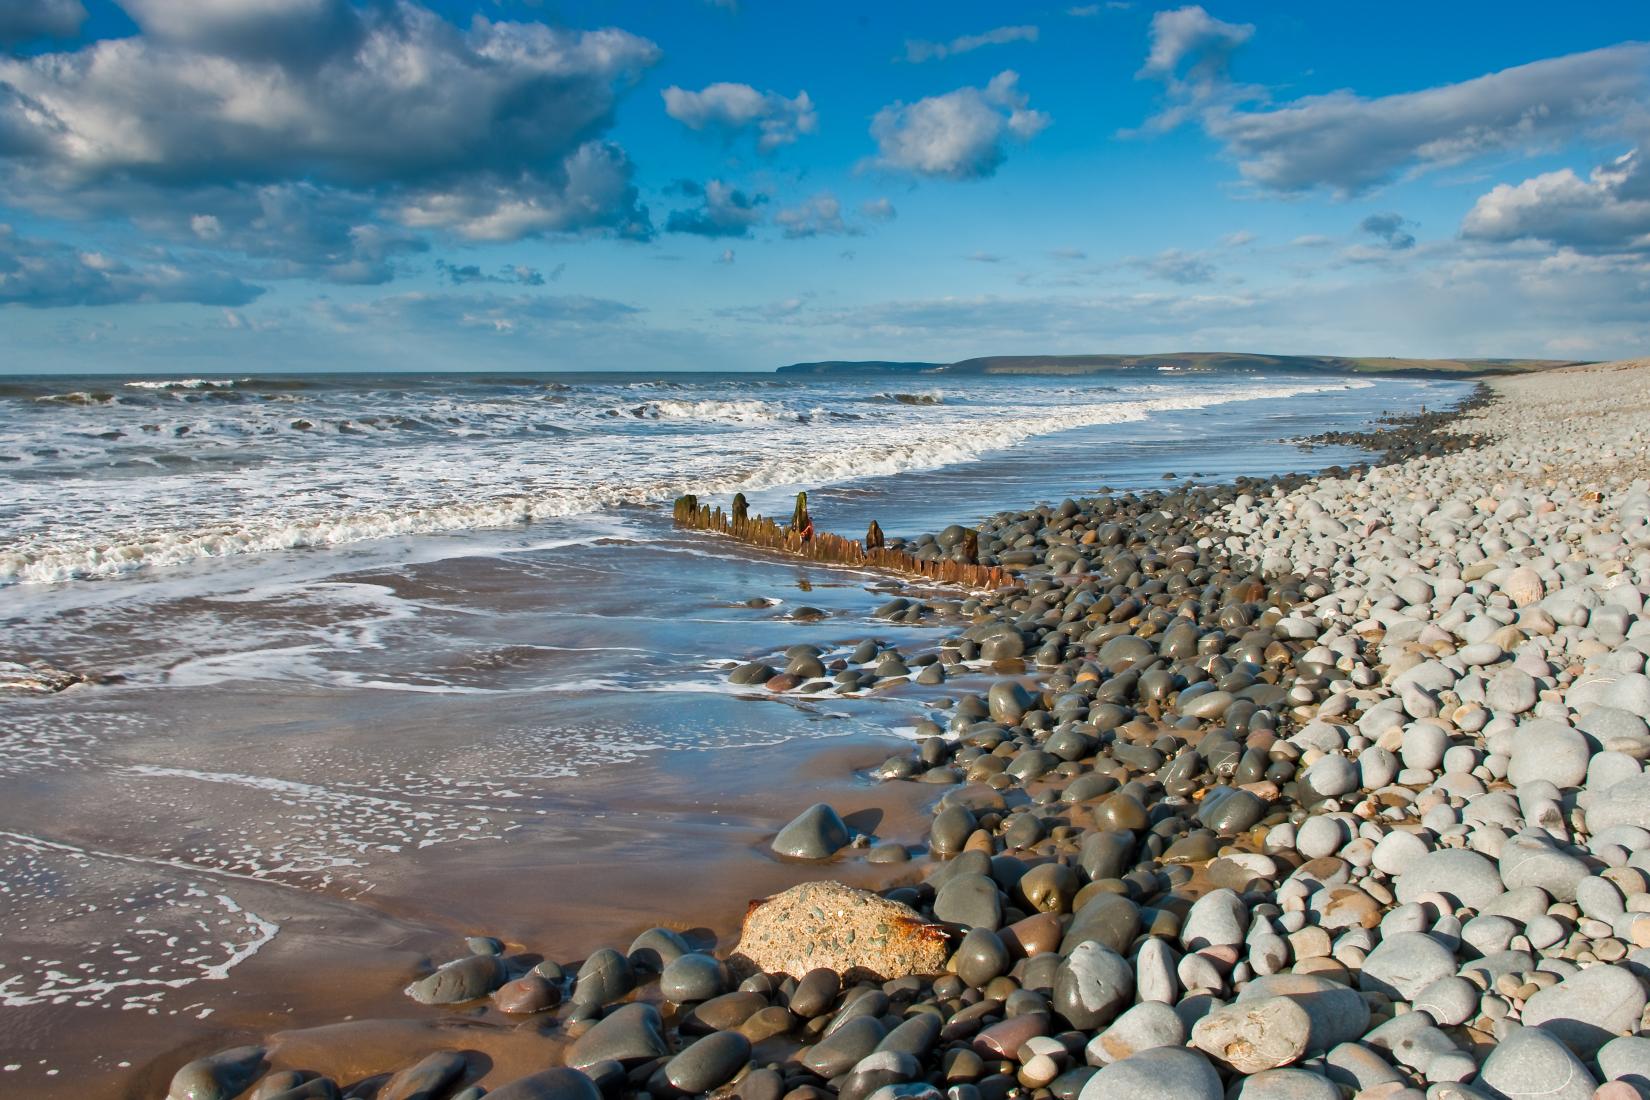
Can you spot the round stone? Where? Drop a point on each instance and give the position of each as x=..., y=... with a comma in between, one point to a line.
x=1093, y=985
x=1589, y=1008
x=816, y=833
x=1405, y=964
x=1163, y=1071
x=1528, y=1063
x=1146, y=1026
x=1459, y=873
x=708, y=1062
x=1254, y=1035
x=692, y=977
x=1332, y=776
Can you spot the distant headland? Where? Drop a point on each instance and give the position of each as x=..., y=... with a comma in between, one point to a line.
x=1188, y=362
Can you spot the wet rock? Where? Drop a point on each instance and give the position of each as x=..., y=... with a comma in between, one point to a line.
x=817, y=833
x=526, y=995
x=708, y=1062
x=465, y=980
x=218, y=1076
x=692, y=977
x=550, y=1084
x=630, y=1034
x=604, y=978
x=425, y=1079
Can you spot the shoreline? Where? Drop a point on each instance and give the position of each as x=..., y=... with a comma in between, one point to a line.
x=817, y=763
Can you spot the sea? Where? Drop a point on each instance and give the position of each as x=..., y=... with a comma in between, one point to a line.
x=364, y=663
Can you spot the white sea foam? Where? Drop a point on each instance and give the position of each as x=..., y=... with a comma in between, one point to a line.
x=113, y=489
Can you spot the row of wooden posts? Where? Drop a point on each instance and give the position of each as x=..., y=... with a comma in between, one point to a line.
x=800, y=539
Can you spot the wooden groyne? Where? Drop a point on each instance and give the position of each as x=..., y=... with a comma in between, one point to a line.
x=798, y=538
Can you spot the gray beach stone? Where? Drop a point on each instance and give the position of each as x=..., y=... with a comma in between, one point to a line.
x=708, y=1062
x=605, y=977
x=1093, y=985
x=219, y=1076
x=550, y=1084
x=1530, y=1063
x=969, y=900
x=1164, y=1071
x=1459, y=873
x=692, y=977
x=630, y=1034
x=1405, y=964
x=1146, y=1026
x=817, y=833
x=464, y=980
x=1589, y=1008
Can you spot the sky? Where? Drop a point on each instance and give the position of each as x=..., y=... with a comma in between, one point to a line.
x=192, y=186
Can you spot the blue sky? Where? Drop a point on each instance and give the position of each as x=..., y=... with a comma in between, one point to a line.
x=211, y=185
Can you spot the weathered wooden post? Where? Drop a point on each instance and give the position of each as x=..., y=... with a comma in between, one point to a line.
x=741, y=509
x=971, y=545
x=873, y=537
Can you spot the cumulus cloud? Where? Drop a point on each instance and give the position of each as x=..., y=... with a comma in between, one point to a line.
x=819, y=216
x=918, y=51
x=26, y=20
x=1191, y=35
x=1176, y=266
x=731, y=109
x=959, y=135
x=491, y=132
x=1350, y=143
x=723, y=211
x=1607, y=211
x=44, y=274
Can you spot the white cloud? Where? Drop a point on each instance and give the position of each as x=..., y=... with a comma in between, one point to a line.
x=818, y=216
x=488, y=131
x=1191, y=34
x=1608, y=211
x=959, y=135
x=1350, y=144
x=730, y=109
x=23, y=20
x=918, y=51
x=1238, y=239
x=726, y=257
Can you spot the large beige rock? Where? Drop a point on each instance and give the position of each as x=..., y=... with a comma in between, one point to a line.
x=854, y=932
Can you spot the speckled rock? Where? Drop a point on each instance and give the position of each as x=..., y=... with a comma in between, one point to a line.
x=853, y=932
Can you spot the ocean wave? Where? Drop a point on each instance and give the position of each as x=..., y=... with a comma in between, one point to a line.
x=722, y=412
x=184, y=384
x=796, y=458
x=931, y=397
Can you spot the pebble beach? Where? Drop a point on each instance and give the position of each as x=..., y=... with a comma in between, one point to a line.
x=1290, y=788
